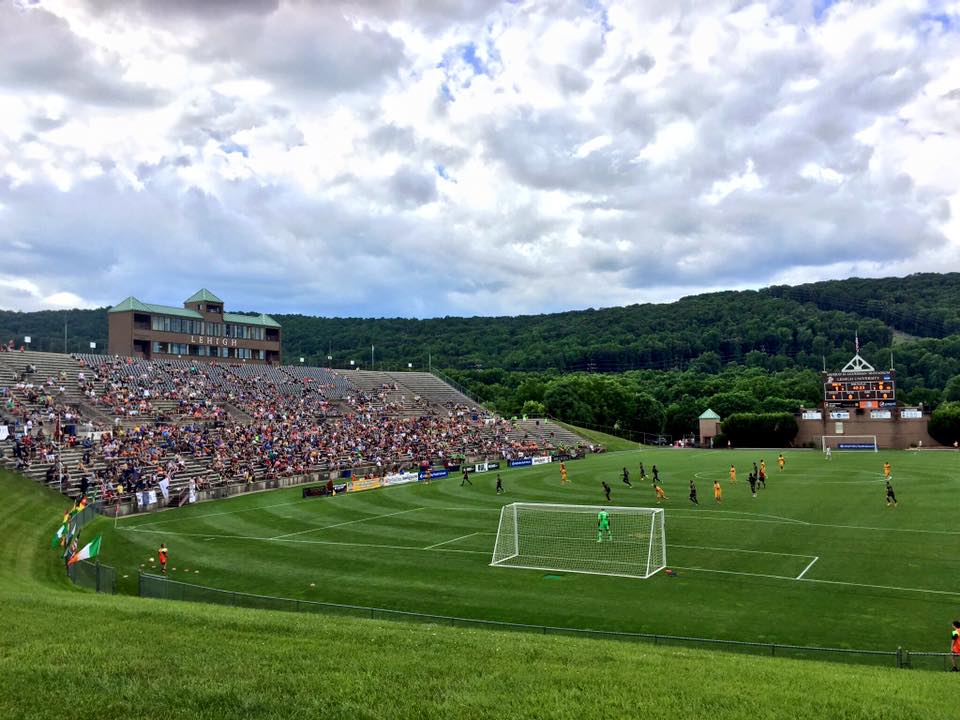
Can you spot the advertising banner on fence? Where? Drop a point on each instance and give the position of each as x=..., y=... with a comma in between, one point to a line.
x=493, y=466
x=400, y=478
x=522, y=462
x=365, y=484
x=911, y=414
x=480, y=467
x=812, y=415
x=541, y=460
x=147, y=497
x=435, y=473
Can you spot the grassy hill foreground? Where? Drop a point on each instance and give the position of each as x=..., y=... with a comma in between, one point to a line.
x=65, y=652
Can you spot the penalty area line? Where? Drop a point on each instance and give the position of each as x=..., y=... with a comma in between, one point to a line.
x=800, y=576
x=348, y=522
x=447, y=542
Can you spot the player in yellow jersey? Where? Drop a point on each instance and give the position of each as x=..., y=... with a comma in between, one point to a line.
x=763, y=467
x=781, y=461
x=563, y=474
x=733, y=474
x=717, y=491
x=886, y=470
x=660, y=494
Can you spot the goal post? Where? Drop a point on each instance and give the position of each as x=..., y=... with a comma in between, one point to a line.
x=849, y=442
x=565, y=538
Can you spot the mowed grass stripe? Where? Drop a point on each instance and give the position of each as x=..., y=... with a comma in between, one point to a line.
x=734, y=606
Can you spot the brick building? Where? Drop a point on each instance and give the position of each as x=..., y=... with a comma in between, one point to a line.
x=200, y=329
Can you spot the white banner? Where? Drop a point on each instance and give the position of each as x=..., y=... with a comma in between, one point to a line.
x=911, y=414
x=400, y=478
x=147, y=497
x=192, y=492
x=164, y=486
x=4, y=432
x=812, y=415
x=542, y=460
x=839, y=415
x=480, y=467
x=879, y=414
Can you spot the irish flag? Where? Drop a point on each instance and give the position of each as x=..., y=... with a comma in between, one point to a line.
x=90, y=550
x=58, y=539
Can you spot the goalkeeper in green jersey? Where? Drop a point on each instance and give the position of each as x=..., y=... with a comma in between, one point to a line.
x=603, y=526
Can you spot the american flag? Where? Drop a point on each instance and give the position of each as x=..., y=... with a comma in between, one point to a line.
x=856, y=342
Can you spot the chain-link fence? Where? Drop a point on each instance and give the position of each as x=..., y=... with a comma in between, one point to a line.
x=93, y=576
x=155, y=586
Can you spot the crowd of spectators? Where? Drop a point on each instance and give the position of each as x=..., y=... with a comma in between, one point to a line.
x=217, y=424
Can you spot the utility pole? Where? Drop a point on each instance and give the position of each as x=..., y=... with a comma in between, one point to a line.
x=64, y=334
x=371, y=357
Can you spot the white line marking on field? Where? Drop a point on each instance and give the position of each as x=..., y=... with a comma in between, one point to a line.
x=733, y=572
x=309, y=542
x=881, y=587
x=228, y=512
x=348, y=522
x=706, y=515
x=740, y=550
x=485, y=552
x=800, y=576
x=772, y=518
x=447, y=542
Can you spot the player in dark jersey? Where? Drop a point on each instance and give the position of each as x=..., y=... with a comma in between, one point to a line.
x=626, y=478
x=499, y=484
x=606, y=489
x=693, y=494
x=466, y=478
x=752, y=479
x=656, y=475
x=891, y=497
x=643, y=473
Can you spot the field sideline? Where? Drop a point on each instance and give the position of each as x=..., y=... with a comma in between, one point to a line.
x=816, y=559
x=120, y=656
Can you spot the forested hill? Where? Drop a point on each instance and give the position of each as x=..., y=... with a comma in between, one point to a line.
x=779, y=326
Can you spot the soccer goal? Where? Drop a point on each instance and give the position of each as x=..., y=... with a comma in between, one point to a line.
x=848, y=442
x=566, y=538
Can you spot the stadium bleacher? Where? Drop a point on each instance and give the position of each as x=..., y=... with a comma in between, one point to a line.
x=126, y=423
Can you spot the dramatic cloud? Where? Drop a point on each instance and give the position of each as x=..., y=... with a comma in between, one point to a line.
x=427, y=158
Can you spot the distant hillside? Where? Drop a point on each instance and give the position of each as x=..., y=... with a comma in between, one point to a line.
x=661, y=365
x=801, y=325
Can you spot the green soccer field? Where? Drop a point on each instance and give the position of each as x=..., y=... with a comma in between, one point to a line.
x=816, y=559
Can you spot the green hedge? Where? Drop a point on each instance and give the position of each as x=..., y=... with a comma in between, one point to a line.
x=760, y=429
x=944, y=426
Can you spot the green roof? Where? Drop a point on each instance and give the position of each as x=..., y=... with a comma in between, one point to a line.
x=203, y=295
x=260, y=319
x=709, y=414
x=131, y=304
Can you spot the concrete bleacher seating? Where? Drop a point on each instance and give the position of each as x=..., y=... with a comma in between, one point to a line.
x=316, y=395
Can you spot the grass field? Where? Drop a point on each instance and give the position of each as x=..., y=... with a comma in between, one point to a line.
x=66, y=651
x=816, y=559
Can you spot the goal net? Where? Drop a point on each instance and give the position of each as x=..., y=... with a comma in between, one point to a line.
x=848, y=442
x=567, y=538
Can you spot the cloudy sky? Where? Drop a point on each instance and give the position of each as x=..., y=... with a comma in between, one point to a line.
x=435, y=157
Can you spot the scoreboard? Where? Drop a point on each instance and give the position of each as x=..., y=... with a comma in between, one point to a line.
x=865, y=389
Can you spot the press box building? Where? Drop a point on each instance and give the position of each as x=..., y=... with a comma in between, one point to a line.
x=199, y=330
